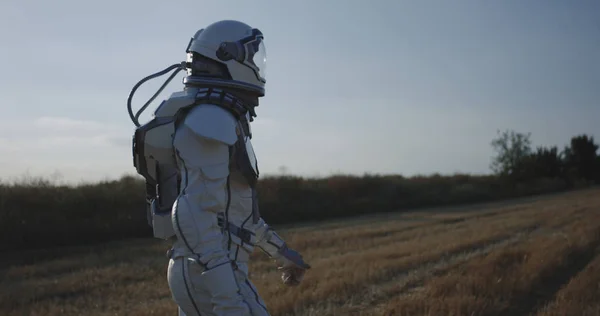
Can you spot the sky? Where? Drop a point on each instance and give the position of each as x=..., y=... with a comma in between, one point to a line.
x=353, y=87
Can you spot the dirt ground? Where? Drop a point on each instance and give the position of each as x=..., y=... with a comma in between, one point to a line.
x=530, y=257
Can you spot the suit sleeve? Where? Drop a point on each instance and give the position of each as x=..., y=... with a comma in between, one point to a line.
x=268, y=240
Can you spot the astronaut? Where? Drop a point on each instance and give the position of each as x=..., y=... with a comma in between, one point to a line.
x=201, y=175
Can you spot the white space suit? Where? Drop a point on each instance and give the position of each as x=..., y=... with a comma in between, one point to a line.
x=215, y=216
x=208, y=272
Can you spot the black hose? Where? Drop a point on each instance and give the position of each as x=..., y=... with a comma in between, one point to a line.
x=137, y=115
x=134, y=118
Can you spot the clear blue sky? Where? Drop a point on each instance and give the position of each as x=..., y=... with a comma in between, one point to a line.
x=353, y=86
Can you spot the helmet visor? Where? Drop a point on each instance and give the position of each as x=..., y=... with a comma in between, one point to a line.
x=257, y=57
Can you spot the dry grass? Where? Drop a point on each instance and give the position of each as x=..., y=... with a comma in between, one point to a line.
x=580, y=296
x=516, y=280
x=511, y=259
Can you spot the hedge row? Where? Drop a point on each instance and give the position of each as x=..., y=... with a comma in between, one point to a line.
x=37, y=213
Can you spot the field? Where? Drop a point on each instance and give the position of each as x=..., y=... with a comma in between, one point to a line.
x=530, y=257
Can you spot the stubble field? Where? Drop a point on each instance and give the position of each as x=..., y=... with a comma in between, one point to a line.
x=536, y=257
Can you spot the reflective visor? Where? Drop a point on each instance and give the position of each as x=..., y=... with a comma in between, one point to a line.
x=257, y=57
x=256, y=54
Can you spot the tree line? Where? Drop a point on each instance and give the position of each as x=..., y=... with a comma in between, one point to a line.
x=517, y=161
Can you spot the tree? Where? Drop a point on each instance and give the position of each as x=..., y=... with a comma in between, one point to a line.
x=581, y=158
x=598, y=169
x=547, y=163
x=513, y=152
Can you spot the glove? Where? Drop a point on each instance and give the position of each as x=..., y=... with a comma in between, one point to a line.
x=292, y=266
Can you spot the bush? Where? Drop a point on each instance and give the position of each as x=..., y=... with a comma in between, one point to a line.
x=35, y=213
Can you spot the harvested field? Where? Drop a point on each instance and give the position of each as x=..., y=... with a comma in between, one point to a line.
x=536, y=257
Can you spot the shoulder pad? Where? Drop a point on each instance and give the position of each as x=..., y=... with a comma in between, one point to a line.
x=176, y=101
x=213, y=122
